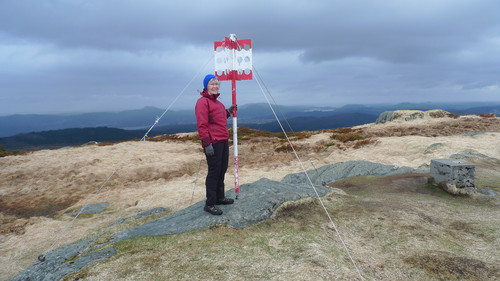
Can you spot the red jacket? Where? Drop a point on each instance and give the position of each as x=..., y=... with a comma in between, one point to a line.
x=211, y=119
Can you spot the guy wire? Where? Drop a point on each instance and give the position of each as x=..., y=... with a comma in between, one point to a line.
x=311, y=183
x=121, y=163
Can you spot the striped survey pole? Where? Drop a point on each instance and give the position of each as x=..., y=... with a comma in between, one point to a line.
x=233, y=61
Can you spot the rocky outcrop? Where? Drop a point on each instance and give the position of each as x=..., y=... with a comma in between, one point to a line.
x=410, y=115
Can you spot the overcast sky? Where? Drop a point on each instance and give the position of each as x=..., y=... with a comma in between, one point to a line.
x=67, y=56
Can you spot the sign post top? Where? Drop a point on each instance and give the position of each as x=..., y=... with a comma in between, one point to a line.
x=233, y=58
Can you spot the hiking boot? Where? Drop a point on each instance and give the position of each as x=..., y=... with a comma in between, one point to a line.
x=224, y=201
x=213, y=210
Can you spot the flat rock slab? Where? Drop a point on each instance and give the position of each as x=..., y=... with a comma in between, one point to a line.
x=63, y=261
x=256, y=202
x=142, y=215
x=330, y=173
x=91, y=209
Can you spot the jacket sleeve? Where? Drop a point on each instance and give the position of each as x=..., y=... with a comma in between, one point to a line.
x=202, y=121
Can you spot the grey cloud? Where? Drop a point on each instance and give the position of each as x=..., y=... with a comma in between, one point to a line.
x=145, y=50
x=325, y=30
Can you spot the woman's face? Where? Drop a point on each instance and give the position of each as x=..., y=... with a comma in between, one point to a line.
x=213, y=86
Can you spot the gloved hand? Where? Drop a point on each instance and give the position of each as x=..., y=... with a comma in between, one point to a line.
x=230, y=109
x=209, y=151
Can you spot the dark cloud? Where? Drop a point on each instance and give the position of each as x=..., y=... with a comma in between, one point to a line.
x=138, y=52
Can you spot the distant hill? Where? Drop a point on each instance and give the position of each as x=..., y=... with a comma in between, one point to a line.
x=129, y=119
x=78, y=136
x=258, y=113
x=54, y=131
x=311, y=123
x=67, y=137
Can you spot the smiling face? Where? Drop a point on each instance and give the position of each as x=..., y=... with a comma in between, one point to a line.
x=213, y=86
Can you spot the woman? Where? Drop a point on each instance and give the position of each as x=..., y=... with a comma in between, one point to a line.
x=211, y=119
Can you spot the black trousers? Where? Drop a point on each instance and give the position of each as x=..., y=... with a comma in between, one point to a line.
x=217, y=167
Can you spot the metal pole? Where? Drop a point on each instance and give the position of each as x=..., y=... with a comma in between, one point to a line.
x=235, y=117
x=235, y=142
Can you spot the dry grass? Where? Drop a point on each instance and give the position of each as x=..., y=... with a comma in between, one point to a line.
x=444, y=266
x=4, y=153
x=487, y=115
x=176, y=137
x=38, y=188
x=443, y=114
x=386, y=223
x=349, y=137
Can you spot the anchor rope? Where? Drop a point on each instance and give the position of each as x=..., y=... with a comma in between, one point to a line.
x=175, y=100
x=69, y=226
x=121, y=163
x=309, y=179
x=274, y=101
x=284, y=117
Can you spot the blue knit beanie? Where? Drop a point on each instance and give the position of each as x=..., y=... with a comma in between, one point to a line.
x=207, y=79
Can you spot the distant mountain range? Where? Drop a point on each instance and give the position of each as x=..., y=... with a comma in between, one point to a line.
x=51, y=131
